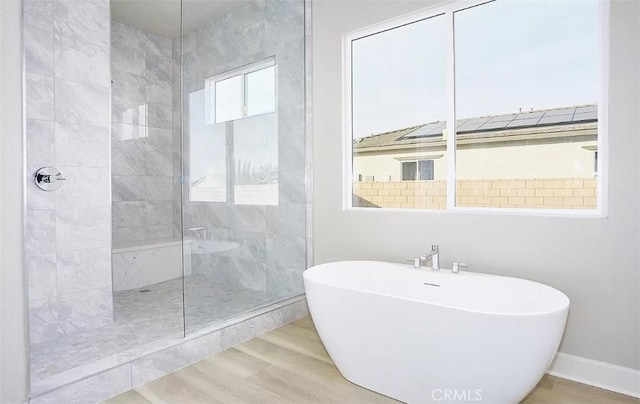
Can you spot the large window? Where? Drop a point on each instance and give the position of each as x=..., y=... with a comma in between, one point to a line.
x=507, y=95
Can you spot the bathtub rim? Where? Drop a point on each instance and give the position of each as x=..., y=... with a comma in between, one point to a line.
x=562, y=308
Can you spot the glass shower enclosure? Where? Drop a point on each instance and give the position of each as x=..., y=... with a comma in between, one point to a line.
x=180, y=129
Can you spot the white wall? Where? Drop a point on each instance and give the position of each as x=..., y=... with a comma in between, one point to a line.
x=594, y=261
x=13, y=336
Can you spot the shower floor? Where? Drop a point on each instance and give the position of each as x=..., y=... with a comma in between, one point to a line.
x=142, y=321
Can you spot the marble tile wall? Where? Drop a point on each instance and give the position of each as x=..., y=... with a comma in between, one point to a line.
x=68, y=231
x=142, y=135
x=272, y=239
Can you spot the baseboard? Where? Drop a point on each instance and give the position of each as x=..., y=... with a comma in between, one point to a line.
x=595, y=373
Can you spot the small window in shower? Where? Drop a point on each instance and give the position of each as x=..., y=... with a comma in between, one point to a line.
x=234, y=145
x=242, y=93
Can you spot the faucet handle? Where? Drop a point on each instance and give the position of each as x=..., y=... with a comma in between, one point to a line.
x=435, y=248
x=415, y=261
x=455, y=267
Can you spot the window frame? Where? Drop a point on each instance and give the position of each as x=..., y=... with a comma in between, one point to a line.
x=448, y=8
x=243, y=71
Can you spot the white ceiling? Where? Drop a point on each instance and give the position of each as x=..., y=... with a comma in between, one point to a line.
x=162, y=17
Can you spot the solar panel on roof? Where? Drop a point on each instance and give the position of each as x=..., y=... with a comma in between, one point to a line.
x=587, y=108
x=519, y=123
x=521, y=120
x=586, y=116
x=494, y=125
x=469, y=127
x=473, y=121
x=428, y=130
x=547, y=120
x=561, y=111
x=530, y=115
x=503, y=118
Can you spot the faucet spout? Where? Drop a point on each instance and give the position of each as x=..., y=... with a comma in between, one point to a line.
x=434, y=256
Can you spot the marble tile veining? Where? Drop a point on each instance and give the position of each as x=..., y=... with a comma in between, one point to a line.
x=127, y=58
x=160, y=115
x=158, y=70
x=40, y=235
x=78, y=229
x=127, y=188
x=86, y=310
x=148, y=265
x=123, y=34
x=86, y=21
x=158, y=45
x=158, y=164
x=142, y=318
x=84, y=269
x=79, y=103
x=38, y=46
x=159, y=139
x=38, y=14
x=128, y=159
x=41, y=272
x=159, y=212
x=157, y=231
x=86, y=187
x=158, y=188
x=128, y=85
x=40, y=139
x=92, y=389
x=81, y=61
x=39, y=97
x=286, y=251
x=124, y=110
x=160, y=363
x=127, y=214
x=81, y=145
x=43, y=322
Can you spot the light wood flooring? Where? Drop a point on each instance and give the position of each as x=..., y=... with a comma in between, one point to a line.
x=290, y=365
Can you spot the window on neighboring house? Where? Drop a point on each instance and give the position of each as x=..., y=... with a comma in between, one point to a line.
x=425, y=170
x=417, y=170
x=509, y=93
x=409, y=169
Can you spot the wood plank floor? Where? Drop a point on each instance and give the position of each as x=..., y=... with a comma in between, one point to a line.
x=290, y=365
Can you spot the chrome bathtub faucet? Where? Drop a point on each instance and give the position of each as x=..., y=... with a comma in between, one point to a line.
x=434, y=255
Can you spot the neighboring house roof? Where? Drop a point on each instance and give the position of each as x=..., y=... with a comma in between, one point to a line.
x=485, y=127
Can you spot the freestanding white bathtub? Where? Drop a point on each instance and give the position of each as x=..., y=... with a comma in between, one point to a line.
x=435, y=337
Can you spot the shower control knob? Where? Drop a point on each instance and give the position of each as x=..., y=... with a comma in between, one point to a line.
x=48, y=178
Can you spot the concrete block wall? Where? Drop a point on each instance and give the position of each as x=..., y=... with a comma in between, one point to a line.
x=536, y=193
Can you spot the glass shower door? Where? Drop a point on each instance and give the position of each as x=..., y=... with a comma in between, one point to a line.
x=243, y=190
